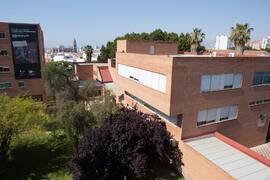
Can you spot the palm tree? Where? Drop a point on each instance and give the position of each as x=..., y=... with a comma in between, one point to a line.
x=88, y=50
x=196, y=38
x=240, y=36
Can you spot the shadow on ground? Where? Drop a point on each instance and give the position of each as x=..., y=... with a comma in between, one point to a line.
x=34, y=157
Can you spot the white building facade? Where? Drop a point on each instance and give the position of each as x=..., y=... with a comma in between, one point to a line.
x=266, y=42
x=223, y=42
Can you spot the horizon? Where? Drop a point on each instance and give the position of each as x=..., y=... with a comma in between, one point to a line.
x=96, y=23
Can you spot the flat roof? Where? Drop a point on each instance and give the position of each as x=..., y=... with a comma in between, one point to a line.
x=96, y=64
x=112, y=87
x=236, y=163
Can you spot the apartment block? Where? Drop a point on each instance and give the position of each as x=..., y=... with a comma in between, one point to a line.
x=21, y=60
x=197, y=95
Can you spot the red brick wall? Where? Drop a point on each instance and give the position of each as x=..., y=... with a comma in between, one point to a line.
x=31, y=86
x=186, y=84
x=143, y=47
x=84, y=72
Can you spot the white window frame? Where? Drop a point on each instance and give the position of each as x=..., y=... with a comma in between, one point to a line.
x=220, y=83
x=147, y=78
x=205, y=114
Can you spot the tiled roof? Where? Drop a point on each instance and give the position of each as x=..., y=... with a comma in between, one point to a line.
x=263, y=150
x=105, y=75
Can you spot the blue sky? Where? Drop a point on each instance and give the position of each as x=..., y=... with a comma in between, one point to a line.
x=96, y=22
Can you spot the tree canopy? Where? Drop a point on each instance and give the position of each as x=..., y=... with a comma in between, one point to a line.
x=196, y=37
x=183, y=40
x=240, y=35
x=71, y=101
x=129, y=144
x=88, y=50
x=17, y=115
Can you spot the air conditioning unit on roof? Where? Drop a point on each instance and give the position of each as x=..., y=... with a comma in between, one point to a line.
x=231, y=55
x=214, y=54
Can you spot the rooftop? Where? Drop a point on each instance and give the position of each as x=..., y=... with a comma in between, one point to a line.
x=235, y=159
x=263, y=149
x=95, y=64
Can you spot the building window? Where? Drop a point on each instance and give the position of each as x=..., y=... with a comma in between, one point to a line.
x=21, y=84
x=261, y=78
x=4, y=85
x=113, y=63
x=152, y=49
x=217, y=115
x=172, y=119
x=220, y=82
x=2, y=35
x=4, y=69
x=37, y=98
x=253, y=103
x=153, y=80
x=3, y=52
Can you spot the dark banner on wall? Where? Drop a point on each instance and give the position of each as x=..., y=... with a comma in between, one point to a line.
x=25, y=50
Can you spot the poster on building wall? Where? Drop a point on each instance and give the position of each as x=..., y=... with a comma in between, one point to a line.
x=25, y=50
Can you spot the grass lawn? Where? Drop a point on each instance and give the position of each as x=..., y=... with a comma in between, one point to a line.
x=32, y=158
x=41, y=156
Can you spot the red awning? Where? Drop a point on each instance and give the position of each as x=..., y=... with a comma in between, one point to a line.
x=105, y=75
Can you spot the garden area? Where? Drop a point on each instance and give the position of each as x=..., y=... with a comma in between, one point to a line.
x=65, y=140
x=38, y=156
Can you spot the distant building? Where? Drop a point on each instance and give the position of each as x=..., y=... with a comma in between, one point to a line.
x=70, y=57
x=95, y=54
x=21, y=60
x=75, y=46
x=223, y=42
x=254, y=44
x=60, y=49
x=266, y=42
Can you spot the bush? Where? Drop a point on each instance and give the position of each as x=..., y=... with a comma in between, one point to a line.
x=129, y=143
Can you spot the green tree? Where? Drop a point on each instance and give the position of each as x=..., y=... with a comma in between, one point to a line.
x=158, y=35
x=197, y=37
x=266, y=49
x=88, y=50
x=17, y=116
x=240, y=35
x=184, y=42
x=73, y=108
x=103, y=110
x=59, y=77
x=74, y=118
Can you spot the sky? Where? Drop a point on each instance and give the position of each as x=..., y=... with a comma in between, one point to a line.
x=96, y=22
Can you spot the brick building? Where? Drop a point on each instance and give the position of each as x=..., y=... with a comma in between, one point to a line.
x=21, y=59
x=197, y=95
